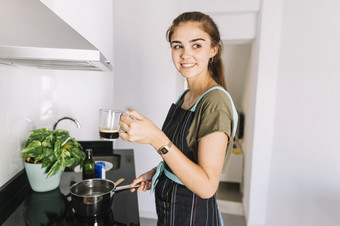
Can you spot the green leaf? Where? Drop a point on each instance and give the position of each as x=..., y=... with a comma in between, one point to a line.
x=70, y=162
x=62, y=159
x=39, y=155
x=52, y=158
x=47, y=163
x=26, y=156
x=49, y=152
x=39, y=134
x=54, y=169
x=48, y=142
x=67, y=153
x=61, y=135
x=57, y=149
x=31, y=147
x=77, y=153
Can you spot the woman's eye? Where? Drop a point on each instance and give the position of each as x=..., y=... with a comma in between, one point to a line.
x=196, y=46
x=176, y=47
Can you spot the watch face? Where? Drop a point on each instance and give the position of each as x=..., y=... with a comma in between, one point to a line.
x=164, y=150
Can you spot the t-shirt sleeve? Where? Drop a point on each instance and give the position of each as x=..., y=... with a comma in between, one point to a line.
x=216, y=114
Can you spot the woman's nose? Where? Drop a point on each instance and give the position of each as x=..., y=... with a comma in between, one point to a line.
x=185, y=53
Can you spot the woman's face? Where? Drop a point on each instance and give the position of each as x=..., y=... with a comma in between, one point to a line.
x=191, y=50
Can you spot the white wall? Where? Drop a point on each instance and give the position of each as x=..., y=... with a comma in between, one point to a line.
x=304, y=186
x=145, y=77
x=236, y=19
x=293, y=164
x=236, y=61
x=261, y=111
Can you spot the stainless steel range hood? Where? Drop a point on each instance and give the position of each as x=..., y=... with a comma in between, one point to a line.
x=33, y=35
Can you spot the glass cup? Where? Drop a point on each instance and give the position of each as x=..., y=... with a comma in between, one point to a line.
x=109, y=124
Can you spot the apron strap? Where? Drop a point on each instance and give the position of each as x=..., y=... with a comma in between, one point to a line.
x=180, y=97
x=161, y=168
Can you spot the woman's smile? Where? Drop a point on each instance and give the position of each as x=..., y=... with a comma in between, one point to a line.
x=187, y=65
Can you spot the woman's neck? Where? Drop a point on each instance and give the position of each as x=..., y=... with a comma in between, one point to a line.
x=198, y=87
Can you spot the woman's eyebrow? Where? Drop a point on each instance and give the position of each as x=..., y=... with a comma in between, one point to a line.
x=172, y=42
x=193, y=40
x=198, y=39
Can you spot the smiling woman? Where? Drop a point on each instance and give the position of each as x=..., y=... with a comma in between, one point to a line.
x=197, y=136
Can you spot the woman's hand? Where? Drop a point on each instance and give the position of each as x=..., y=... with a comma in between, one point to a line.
x=145, y=181
x=139, y=129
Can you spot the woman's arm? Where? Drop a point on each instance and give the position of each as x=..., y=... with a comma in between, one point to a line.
x=202, y=178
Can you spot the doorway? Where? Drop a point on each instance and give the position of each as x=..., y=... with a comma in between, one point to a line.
x=236, y=59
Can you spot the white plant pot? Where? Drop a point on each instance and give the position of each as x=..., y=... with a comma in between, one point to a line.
x=37, y=178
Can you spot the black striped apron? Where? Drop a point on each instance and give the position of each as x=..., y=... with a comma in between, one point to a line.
x=176, y=205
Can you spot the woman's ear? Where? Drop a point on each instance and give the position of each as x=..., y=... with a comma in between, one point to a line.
x=213, y=51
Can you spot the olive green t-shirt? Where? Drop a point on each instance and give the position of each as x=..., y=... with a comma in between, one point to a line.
x=213, y=114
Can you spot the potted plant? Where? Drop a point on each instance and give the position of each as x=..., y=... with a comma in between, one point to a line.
x=47, y=154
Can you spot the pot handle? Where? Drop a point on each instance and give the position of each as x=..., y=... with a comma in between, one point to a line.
x=118, y=182
x=125, y=187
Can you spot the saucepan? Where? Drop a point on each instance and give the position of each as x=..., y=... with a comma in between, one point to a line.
x=94, y=197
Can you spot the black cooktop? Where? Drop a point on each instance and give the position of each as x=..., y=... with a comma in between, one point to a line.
x=55, y=208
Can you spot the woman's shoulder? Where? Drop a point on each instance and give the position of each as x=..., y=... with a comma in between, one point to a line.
x=216, y=98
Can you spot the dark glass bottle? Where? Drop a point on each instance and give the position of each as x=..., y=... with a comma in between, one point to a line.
x=89, y=169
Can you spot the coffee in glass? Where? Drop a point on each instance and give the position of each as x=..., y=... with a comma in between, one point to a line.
x=109, y=124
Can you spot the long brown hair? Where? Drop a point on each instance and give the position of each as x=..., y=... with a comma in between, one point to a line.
x=215, y=66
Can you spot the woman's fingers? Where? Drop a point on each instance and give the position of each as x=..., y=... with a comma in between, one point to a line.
x=135, y=182
x=123, y=126
x=148, y=185
x=144, y=181
x=125, y=123
x=143, y=186
x=135, y=114
x=126, y=119
x=140, y=188
x=137, y=128
x=140, y=181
